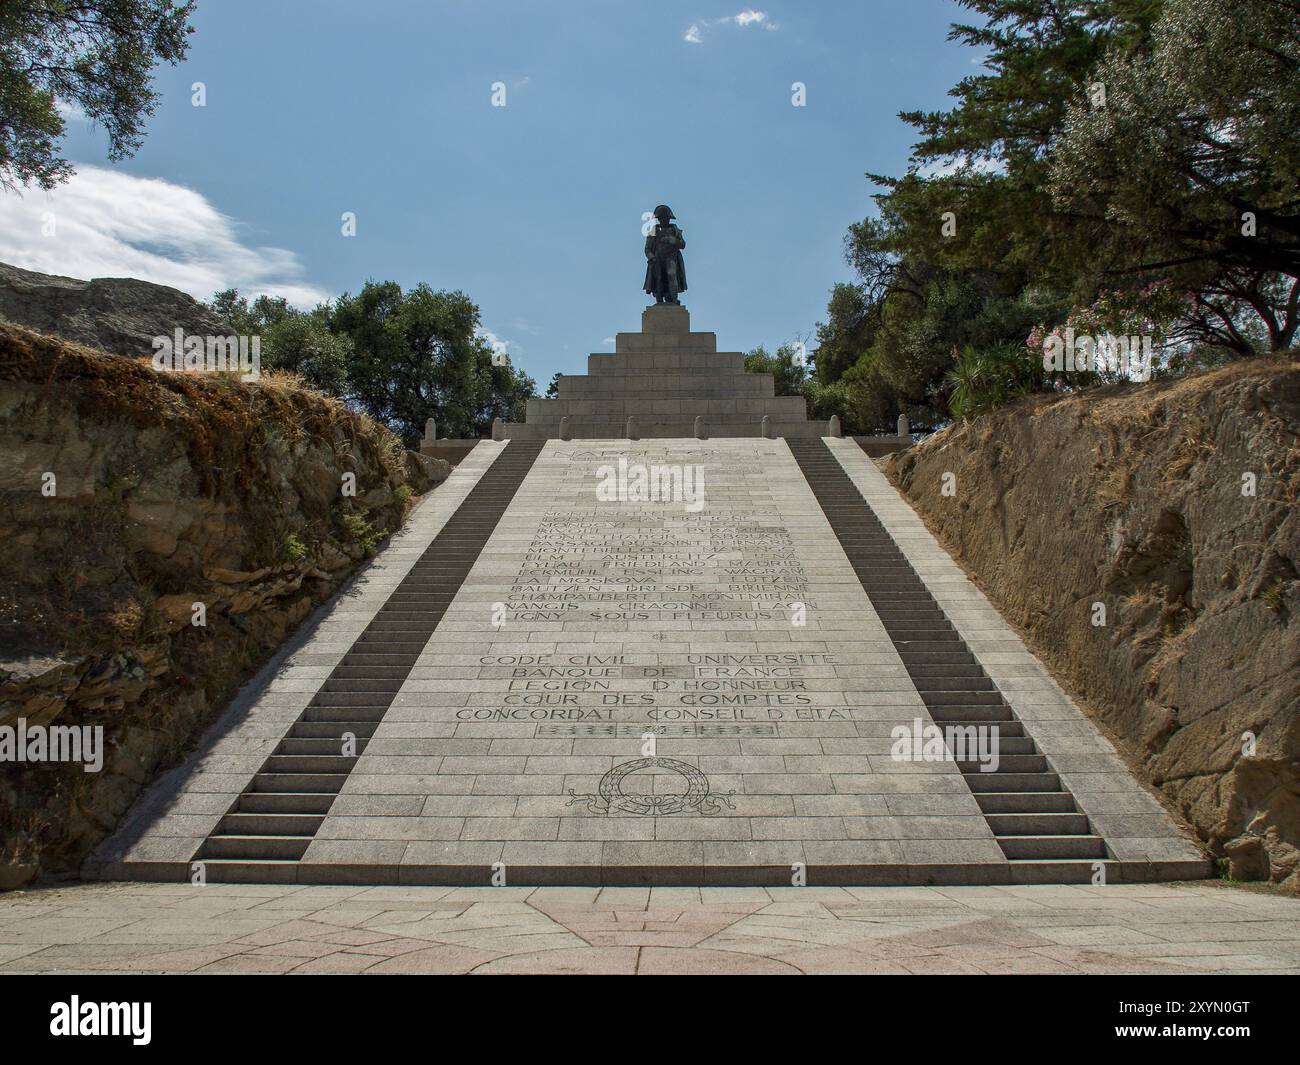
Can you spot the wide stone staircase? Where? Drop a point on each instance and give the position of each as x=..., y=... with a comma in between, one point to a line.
x=1032, y=816
x=743, y=631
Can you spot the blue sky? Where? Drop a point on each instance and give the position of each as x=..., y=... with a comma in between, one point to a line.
x=384, y=108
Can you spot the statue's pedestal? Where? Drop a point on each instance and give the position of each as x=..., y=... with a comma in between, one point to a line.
x=665, y=377
x=666, y=318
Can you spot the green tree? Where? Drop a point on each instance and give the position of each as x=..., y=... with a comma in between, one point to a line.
x=250, y=319
x=1200, y=186
x=304, y=344
x=1108, y=154
x=418, y=355
x=94, y=55
x=297, y=341
x=853, y=319
x=788, y=367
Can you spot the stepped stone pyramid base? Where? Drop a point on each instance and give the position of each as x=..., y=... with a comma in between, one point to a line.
x=665, y=377
x=476, y=707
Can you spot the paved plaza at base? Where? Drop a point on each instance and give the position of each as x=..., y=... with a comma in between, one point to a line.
x=1161, y=929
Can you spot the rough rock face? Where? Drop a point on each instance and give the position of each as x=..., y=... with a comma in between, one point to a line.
x=1132, y=497
x=116, y=314
x=168, y=489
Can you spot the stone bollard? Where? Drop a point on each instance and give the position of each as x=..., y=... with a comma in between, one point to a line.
x=631, y=428
x=904, y=430
x=497, y=429
x=766, y=427
x=564, y=428
x=834, y=428
x=430, y=431
x=700, y=432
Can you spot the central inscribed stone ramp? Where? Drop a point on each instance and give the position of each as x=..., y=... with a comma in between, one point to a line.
x=691, y=690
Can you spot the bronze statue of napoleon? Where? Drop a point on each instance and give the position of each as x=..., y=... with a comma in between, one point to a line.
x=665, y=271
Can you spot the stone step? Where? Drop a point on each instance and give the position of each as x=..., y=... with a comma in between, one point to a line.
x=723, y=407
x=1009, y=782
x=333, y=730
x=316, y=745
x=1067, y=871
x=265, y=824
x=943, y=684
x=298, y=782
x=270, y=848
x=343, y=714
x=1025, y=871
x=1039, y=847
x=352, y=699
x=250, y=871
x=970, y=670
x=656, y=384
x=950, y=645
x=375, y=645
x=921, y=631
x=886, y=575
x=894, y=612
x=1010, y=764
x=1026, y=802
x=285, y=802
x=361, y=660
x=348, y=671
x=936, y=658
x=310, y=763
x=916, y=596
x=402, y=625
x=962, y=698
x=967, y=714
x=388, y=685
x=1007, y=730
x=1008, y=744
x=425, y=593
x=1038, y=824
x=666, y=428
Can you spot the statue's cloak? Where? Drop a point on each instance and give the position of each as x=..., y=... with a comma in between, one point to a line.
x=654, y=285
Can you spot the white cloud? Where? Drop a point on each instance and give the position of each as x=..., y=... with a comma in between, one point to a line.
x=70, y=111
x=107, y=223
x=501, y=344
x=747, y=17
